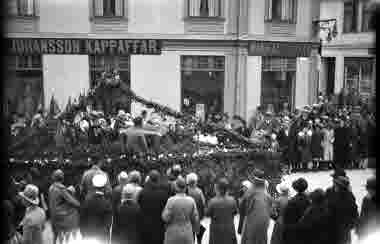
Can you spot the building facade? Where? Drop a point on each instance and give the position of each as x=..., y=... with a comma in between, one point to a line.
x=348, y=60
x=213, y=55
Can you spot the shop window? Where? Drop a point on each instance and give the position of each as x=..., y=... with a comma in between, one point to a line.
x=109, y=8
x=281, y=10
x=366, y=18
x=350, y=16
x=204, y=8
x=22, y=7
x=24, y=85
x=278, y=79
x=99, y=64
x=359, y=75
x=202, y=83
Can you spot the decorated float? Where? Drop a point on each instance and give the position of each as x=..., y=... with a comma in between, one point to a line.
x=92, y=127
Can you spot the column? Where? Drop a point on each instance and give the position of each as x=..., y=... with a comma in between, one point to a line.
x=302, y=82
x=339, y=74
x=253, y=90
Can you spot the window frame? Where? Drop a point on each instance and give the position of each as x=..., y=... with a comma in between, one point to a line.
x=123, y=15
x=365, y=10
x=17, y=10
x=270, y=10
x=361, y=61
x=219, y=15
x=354, y=16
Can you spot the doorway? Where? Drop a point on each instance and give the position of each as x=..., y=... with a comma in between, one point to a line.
x=330, y=81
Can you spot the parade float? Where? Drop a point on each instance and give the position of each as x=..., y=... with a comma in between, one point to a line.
x=89, y=129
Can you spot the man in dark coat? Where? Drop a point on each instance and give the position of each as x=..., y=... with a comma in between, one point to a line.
x=341, y=145
x=314, y=223
x=96, y=212
x=294, y=211
x=152, y=200
x=122, y=179
x=343, y=211
x=87, y=187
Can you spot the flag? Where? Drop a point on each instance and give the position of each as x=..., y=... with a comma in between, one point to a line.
x=68, y=105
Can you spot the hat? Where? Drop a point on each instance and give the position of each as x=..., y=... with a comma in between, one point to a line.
x=58, y=175
x=30, y=194
x=134, y=176
x=282, y=189
x=342, y=181
x=371, y=183
x=300, y=185
x=99, y=180
x=71, y=189
x=338, y=172
x=191, y=178
x=121, y=113
x=123, y=176
x=247, y=184
x=177, y=167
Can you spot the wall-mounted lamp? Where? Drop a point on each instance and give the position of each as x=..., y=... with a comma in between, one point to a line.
x=329, y=25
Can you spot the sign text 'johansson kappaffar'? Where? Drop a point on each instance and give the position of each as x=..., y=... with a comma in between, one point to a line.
x=84, y=46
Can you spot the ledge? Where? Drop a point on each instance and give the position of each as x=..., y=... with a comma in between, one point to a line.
x=204, y=19
x=29, y=17
x=108, y=18
x=280, y=22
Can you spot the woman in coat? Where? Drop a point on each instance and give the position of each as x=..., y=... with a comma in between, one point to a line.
x=127, y=219
x=279, y=206
x=327, y=142
x=257, y=214
x=316, y=142
x=181, y=216
x=63, y=209
x=369, y=215
x=222, y=210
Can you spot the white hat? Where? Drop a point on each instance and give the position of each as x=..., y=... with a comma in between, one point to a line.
x=247, y=184
x=30, y=194
x=121, y=113
x=192, y=177
x=282, y=189
x=99, y=180
x=122, y=176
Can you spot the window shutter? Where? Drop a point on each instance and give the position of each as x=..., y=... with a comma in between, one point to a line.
x=12, y=7
x=119, y=8
x=98, y=7
x=268, y=9
x=222, y=7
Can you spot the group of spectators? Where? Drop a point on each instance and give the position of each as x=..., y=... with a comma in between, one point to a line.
x=169, y=209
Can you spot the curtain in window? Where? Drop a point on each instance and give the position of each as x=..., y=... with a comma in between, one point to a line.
x=213, y=7
x=29, y=7
x=98, y=7
x=285, y=13
x=276, y=9
x=268, y=9
x=119, y=8
x=12, y=7
x=194, y=7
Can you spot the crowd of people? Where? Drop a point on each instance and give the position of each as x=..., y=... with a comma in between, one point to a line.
x=169, y=209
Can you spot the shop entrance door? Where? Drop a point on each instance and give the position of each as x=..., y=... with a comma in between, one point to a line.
x=202, y=84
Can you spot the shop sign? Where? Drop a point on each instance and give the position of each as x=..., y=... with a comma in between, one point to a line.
x=119, y=47
x=281, y=49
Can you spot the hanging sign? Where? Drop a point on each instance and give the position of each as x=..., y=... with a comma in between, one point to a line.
x=281, y=49
x=200, y=111
x=18, y=46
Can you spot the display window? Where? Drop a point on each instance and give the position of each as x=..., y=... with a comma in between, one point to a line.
x=202, y=84
x=358, y=75
x=24, y=85
x=111, y=99
x=278, y=82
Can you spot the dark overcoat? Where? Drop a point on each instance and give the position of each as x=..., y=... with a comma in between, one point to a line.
x=152, y=200
x=127, y=223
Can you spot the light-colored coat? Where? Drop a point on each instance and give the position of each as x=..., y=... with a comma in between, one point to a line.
x=33, y=225
x=181, y=216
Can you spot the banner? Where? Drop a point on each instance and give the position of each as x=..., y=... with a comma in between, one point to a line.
x=120, y=47
x=281, y=49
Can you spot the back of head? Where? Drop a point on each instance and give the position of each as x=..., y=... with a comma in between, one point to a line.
x=180, y=184
x=122, y=178
x=317, y=197
x=154, y=176
x=135, y=177
x=58, y=176
x=300, y=185
x=222, y=186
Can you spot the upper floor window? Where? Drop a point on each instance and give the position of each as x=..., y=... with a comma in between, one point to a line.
x=366, y=18
x=109, y=8
x=350, y=16
x=204, y=8
x=22, y=7
x=281, y=10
